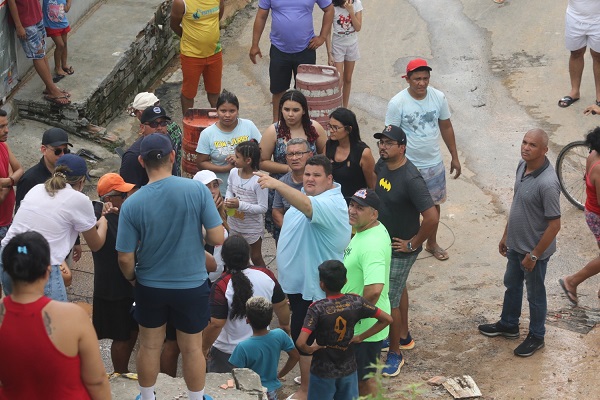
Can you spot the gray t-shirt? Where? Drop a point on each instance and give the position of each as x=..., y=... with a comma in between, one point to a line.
x=279, y=201
x=535, y=202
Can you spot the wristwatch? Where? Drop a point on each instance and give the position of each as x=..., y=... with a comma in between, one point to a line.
x=409, y=247
x=533, y=258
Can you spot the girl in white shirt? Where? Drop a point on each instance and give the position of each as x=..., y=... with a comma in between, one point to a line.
x=246, y=201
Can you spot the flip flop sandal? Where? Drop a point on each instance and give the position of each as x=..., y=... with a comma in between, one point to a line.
x=57, y=78
x=439, y=253
x=568, y=293
x=69, y=70
x=55, y=100
x=566, y=101
x=297, y=380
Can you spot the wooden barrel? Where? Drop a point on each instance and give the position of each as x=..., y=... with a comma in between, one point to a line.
x=194, y=122
x=321, y=86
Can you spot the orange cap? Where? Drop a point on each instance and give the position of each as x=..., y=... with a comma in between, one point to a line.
x=109, y=182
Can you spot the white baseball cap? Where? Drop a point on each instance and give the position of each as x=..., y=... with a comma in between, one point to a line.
x=144, y=100
x=206, y=176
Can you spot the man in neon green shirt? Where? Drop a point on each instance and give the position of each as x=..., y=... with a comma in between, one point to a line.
x=367, y=259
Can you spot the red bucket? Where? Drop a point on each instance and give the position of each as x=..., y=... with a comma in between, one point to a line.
x=321, y=86
x=194, y=122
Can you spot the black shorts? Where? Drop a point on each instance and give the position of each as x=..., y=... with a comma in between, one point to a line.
x=112, y=319
x=186, y=309
x=283, y=65
x=299, y=308
x=366, y=353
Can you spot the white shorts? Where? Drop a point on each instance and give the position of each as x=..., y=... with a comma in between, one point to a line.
x=345, y=48
x=580, y=34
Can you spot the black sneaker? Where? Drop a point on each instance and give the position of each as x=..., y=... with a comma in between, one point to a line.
x=498, y=329
x=529, y=346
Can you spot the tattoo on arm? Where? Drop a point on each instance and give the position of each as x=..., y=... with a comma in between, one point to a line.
x=48, y=323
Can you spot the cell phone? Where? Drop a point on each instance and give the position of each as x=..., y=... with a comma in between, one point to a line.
x=98, y=207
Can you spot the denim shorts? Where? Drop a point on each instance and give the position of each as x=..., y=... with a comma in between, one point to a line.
x=344, y=388
x=435, y=179
x=34, y=44
x=399, y=270
x=55, y=287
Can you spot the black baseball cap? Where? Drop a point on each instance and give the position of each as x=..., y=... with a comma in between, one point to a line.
x=366, y=197
x=393, y=132
x=152, y=113
x=55, y=137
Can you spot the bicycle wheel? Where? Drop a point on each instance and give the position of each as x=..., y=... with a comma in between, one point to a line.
x=570, y=168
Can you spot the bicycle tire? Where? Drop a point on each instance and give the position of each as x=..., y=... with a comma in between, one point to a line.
x=570, y=168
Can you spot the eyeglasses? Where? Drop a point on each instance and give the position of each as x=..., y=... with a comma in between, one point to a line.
x=58, y=152
x=296, y=154
x=154, y=124
x=121, y=195
x=334, y=128
x=387, y=144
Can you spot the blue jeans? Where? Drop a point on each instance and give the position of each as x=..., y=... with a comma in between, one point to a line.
x=536, y=294
x=345, y=388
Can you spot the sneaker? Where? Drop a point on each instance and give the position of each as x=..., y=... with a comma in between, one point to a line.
x=393, y=364
x=408, y=343
x=405, y=344
x=529, y=346
x=498, y=329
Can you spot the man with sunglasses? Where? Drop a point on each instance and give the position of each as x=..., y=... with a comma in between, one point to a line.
x=404, y=198
x=144, y=100
x=154, y=119
x=55, y=143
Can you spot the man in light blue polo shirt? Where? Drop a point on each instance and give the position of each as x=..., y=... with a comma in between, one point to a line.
x=315, y=229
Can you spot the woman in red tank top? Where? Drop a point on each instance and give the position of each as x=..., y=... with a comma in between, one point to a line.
x=592, y=216
x=48, y=349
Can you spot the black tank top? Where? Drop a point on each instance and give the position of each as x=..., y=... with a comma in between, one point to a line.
x=348, y=173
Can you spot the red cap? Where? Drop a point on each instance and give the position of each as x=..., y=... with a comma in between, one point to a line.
x=414, y=64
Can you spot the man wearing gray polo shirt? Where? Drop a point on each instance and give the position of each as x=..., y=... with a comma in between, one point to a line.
x=528, y=242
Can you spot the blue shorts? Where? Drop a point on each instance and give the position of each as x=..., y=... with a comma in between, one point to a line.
x=435, y=178
x=344, y=388
x=283, y=65
x=34, y=44
x=186, y=309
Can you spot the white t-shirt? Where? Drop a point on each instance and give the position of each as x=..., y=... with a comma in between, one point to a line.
x=249, y=217
x=587, y=11
x=59, y=218
x=218, y=144
x=419, y=120
x=342, y=23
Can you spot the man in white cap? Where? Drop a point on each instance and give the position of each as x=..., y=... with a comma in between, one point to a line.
x=144, y=100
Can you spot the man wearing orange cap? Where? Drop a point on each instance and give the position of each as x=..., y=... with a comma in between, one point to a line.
x=113, y=294
x=423, y=114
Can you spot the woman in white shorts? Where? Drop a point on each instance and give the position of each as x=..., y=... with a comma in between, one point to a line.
x=342, y=46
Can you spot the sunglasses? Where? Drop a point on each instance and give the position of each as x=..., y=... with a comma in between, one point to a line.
x=58, y=152
x=121, y=195
x=154, y=124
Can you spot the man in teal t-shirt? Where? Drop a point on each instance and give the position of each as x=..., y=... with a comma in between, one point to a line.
x=367, y=260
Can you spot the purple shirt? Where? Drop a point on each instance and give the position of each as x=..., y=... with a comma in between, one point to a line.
x=292, y=22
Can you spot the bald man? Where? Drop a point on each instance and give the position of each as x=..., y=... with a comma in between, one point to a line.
x=528, y=241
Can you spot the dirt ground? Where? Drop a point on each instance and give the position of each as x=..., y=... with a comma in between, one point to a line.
x=502, y=68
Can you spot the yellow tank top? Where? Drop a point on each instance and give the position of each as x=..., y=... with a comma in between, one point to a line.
x=200, y=25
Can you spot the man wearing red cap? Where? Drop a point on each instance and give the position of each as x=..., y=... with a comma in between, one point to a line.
x=423, y=114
